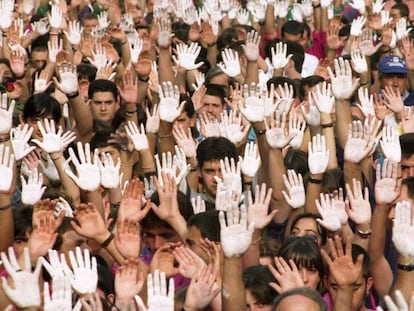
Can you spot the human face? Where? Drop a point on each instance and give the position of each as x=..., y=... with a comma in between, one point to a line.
x=89, y=25
x=207, y=173
x=71, y=240
x=307, y=226
x=360, y=289
x=184, y=121
x=38, y=59
x=292, y=38
x=222, y=80
x=253, y=305
x=298, y=303
x=158, y=236
x=407, y=166
x=6, y=71
x=310, y=277
x=32, y=122
x=396, y=81
x=104, y=106
x=193, y=241
x=112, y=151
x=212, y=106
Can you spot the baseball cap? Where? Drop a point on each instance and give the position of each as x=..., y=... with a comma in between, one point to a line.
x=392, y=64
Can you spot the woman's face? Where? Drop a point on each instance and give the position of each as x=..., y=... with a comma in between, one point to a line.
x=310, y=277
x=32, y=121
x=253, y=305
x=307, y=226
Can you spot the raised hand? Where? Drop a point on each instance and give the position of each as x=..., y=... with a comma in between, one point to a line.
x=41, y=83
x=386, y=186
x=357, y=25
x=165, y=33
x=19, y=137
x=33, y=189
x=74, y=34
x=390, y=144
x=135, y=48
x=330, y=215
x=236, y=235
x=68, y=79
x=250, y=163
x=366, y=102
x=342, y=84
x=85, y=273
x=153, y=120
x=295, y=195
x=138, y=138
x=359, y=62
x=360, y=209
x=189, y=262
x=128, y=239
x=311, y=112
x=393, y=99
x=251, y=49
x=231, y=127
x=399, y=305
x=61, y=299
x=284, y=98
x=110, y=177
x=360, y=142
x=286, y=275
x=103, y=21
x=209, y=126
x=296, y=130
x=158, y=298
x=168, y=165
x=89, y=177
x=53, y=141
x=6, y=168
x=131, y=202
x=322, y=98
x=129, y=281
x=366, y=43
x=257, y=211
x=99, y=59
x=187, y=56
x=55, y=17
x=253, y=108
x=198, y=204
x=6, y=114
x=276, y=134
x=231, y=63
x=169, y=106
x=318, y=155
x=25, y=291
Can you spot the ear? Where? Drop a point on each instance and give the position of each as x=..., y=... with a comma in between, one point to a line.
x=370, y=282
x=193, y=121
x=243, y=60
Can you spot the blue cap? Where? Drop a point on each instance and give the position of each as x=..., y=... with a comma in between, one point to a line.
x=392, y=64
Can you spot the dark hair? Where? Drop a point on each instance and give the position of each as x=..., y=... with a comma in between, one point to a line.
x=188, y=106
x=215, y=148
x=358, y=250
x=256, y=279
x=307, y=254
x=89, y=16
x=269, y=247
x=309, y=82
x=297, y=160
x=153, y=221
x=281, y=81
x=301, y=291
x=227, y=36
x=298, y=54
x=22, y=221
x=86, y=71
x=271, y=44
x=407, y=144
x=100, y=140
x=102, y=85
x=208, y=224
x=217, y=91
x=402, y=8
x=409, y=182
x=292, y=28
x=41, y=105
x=321, y=230
x=181, y=31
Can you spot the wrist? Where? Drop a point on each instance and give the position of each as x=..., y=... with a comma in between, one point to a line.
x=101, y=238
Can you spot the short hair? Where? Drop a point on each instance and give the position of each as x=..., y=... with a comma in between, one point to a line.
x=297, y=160
x=271, y=44
x=208, y=224
x=101, y=140
x=281, y=81
x=301, y=291
x=256, y=279
x=188, y=106
x=402, y=8
x=407, y=144
x=298, y=54
x=217, y=91
x=214, y=149
x=309, y=82
x=41, y=105
x=89, y=16
x=293, y=28
x=227, y=36
x=321, y=229
x=151, y=220
x=366, y=266
x=86, y=71
x=409, y=182
x=102, y=85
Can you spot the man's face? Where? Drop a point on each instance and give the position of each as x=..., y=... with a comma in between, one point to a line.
x=32, y=122
x=297, y=303
x=359, y=291
x=104, y=106
x=112, y=151
x=407, y=166
x=71, y=240
x=184, y=121
x=207, y=173
x=397, y=81
x=38, y=59
x=212, y=106
x=222, y=80
x=292, y=38
x=89, y=25
x=193, y=241
x=157, y=236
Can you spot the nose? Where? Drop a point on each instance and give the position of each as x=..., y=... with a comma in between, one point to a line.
x=304, y=275
x=158, y=242
x=103, y=107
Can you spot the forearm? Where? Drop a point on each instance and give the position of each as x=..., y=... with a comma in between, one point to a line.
x=313, y=191
x=343, y=119
x=212, y=54
x=233, y=288
x=166, y=139
x=252, y=73
x=6, y=222
x=270, y=28
x=147, y=161
x=366, y=167
x=252, y=256
x=404, y=279
x=352, y=170
x=379, y=233
x=343, y=299
x=166, y=73
x=83, y=118
x=328, y=132
x=68, y=185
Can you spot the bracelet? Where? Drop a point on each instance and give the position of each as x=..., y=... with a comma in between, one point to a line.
x=315, y=181
x=5, y=207
x=193, y=169
x=165, y=136
x=72, y=96
x=107, y=241
x=248, y=183
x=386, y=51
x=261, y=132
x=53, y=33
x=57, y=158
x=256, y=241
x=316, y=6
x=407, y=268
x=124, y=42
x=4, y=138
x=326, y=125
x=143, y=80
x=131, y=112
x=363, y=234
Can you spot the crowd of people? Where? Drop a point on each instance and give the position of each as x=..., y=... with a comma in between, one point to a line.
x=206, y=155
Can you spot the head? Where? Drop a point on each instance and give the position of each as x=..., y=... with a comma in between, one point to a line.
x=201, y=226
x=305, y=224
x=393, y=73
x=89, y=22
x=298, y=57
x=39, y=57
x=104, y=100
x=407, y=158
x=187, y=118
x=39, y=107
x=307, y=256
x=213, y=101
x=292, y=31
x=398, y=11
x=100, y=141
x=309, y=84
x=363, y=284
x=209, y=153
x=299, y=299
x=259, y=295
x=157, y=232
x=216, y=76
x=22, y=221
x=268, y=249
